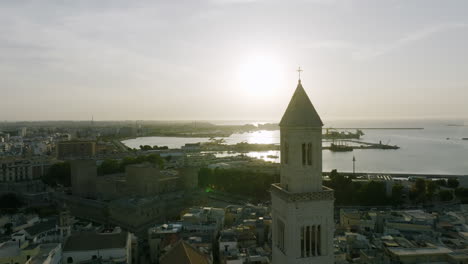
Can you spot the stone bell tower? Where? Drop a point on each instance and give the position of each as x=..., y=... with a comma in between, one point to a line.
x=302, y=208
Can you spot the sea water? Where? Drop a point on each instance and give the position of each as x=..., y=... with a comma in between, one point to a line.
x=438, y=148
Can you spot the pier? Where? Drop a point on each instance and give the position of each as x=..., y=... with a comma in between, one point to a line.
x=342, y=146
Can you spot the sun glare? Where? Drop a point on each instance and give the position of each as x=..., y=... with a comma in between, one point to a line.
x=260, y=75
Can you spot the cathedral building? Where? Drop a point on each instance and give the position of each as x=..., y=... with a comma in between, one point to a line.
x=302, y=208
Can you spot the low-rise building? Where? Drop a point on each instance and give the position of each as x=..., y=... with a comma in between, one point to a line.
x=21, y=169
x=109, y=246
x=146, y=179
x=50, y=253
x=83, y=177
x=17, y=252
x=431, y=254
x=184, y=253
x=160, y=237
x=76, y=149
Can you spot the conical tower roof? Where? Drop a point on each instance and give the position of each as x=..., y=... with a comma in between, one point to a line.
x=300, y=111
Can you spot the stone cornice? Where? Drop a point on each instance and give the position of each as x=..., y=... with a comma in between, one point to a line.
x=325, y=195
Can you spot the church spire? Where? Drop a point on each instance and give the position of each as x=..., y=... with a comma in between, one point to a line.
x=300, y=111
x=302, y=208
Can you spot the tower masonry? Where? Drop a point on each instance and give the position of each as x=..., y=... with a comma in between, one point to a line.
x=302, y=208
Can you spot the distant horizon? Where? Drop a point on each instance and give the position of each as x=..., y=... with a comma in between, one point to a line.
x=422, y=118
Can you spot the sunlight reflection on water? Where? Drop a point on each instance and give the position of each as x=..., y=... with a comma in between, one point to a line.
x=257, y=137
x=422, y=151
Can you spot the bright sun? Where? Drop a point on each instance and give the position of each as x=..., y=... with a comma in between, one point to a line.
x=260, y=75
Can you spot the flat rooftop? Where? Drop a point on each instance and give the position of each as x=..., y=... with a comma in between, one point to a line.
x=419, y=251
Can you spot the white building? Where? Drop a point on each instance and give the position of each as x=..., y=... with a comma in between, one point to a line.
x=228, y=248
x=48, y=254
x=15, y=252
x=113, y=247
x=302, y=208
x=227, y=241
x=20, y=169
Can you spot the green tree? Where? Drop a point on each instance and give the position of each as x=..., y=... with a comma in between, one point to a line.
x=333, y=174
x=109, y=166
x=418, y=192
x=420, y=186
x=345, y=189
x=372, y=193
x=441, y=182
x=155, y=159
x=431, y=188
x=462, y=194
x=397, y=194
x=453, y=183
x=146, y=147
x=446, y=195
x=8, y=228
x=242, y=182
x=58, y=173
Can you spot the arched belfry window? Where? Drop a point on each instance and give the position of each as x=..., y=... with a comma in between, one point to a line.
x=311, y=241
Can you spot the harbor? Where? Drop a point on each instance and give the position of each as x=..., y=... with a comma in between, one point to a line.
x=420, y=150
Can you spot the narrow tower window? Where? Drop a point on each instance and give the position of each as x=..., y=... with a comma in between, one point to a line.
x=280, y=235
x=302, y=242
x=308, y=241
x=313, y=240
x=309, y=154
x=286, y=153
x=319, y=240
x=283, y=147
x=304, y=154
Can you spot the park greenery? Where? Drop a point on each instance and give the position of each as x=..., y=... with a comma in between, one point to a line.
x=256, y=185
x=112, y=166
x=60, y=173
x=427, y=191
x=249, y=183
x=423, y=191
x=349, y=192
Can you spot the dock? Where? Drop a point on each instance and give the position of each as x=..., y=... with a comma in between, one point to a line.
x=361, y=145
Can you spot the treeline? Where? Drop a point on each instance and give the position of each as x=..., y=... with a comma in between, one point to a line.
x=239, y=147
x=111, y=166
x=241, y=182
x=372, y=193
x=155, y=147
x=60, y=173
x=425, y=191
x=349, y=192
x=462, y=195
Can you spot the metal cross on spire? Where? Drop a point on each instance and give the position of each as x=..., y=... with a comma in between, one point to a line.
x=299, y=70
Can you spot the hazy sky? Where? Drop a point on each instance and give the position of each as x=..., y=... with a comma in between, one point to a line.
x=231, y=59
